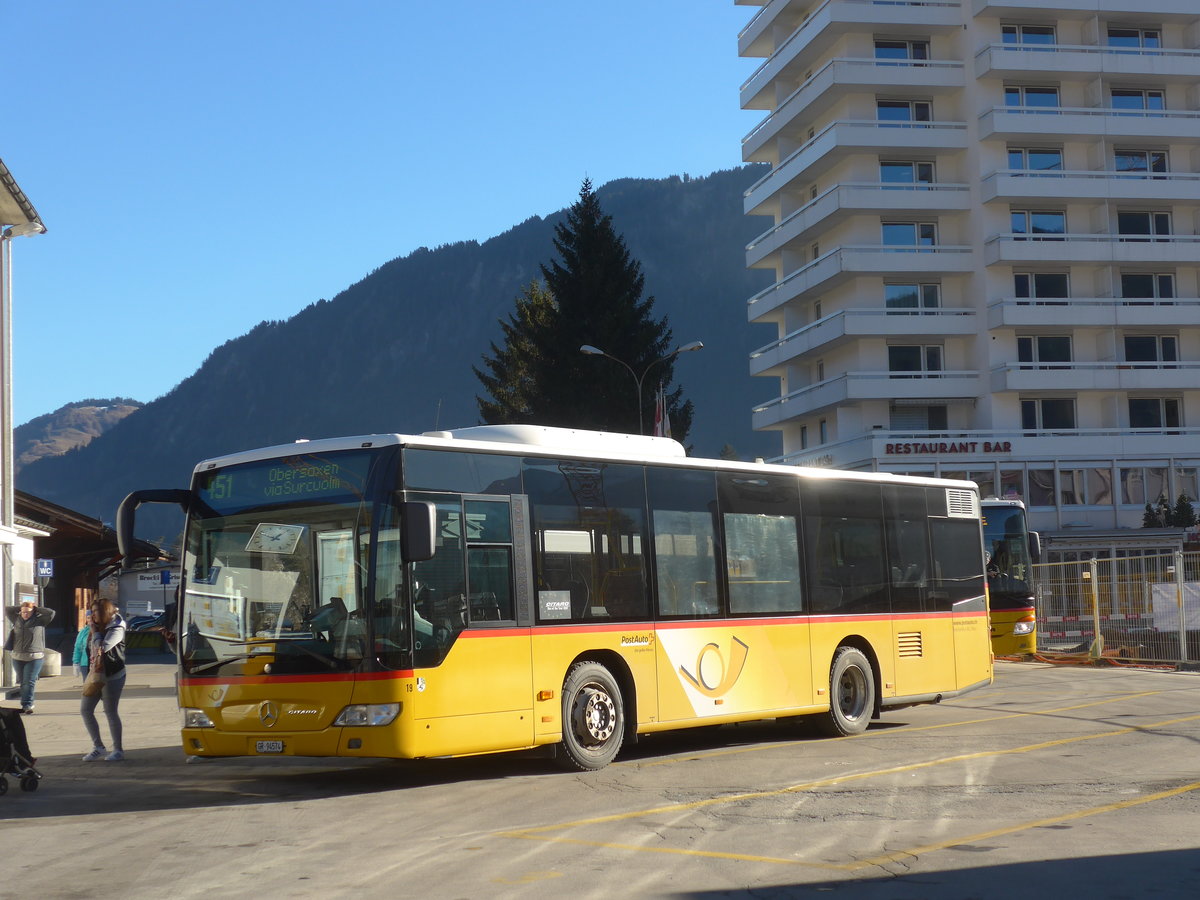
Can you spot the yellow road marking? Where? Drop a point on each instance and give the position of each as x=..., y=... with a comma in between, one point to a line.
x=541, y=833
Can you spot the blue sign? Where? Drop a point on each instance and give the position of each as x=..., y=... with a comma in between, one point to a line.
x=164, y=576
x=45, y=568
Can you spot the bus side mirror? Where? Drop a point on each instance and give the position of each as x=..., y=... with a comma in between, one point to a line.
x=418, y=528
x=1035, y=546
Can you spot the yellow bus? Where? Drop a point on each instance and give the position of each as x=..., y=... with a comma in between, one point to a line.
x=1010, y=550
x=508, y=587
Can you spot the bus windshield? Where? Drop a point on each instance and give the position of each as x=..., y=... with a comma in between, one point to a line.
x=271, y=587
x=1009, y=566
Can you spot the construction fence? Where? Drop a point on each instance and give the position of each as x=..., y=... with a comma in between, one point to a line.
x=1136, y=609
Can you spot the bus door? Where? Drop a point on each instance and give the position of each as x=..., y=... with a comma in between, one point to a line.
x=472, y=608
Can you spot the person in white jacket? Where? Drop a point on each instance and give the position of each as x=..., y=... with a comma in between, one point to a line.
x=106, y=656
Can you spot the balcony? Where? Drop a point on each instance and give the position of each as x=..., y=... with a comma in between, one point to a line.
x=829, y=145
x=1086, y=9
x=1036, y=186
x=1062, y=61
x=842, y=76
x=853, y=387
x=841, y=200
x=995, y=445
x=1095, y=376
x=1103, y=312
x=831, y=19
x=851, y=324
x=1062, y=123
x=849, y=261
x=1093, y=248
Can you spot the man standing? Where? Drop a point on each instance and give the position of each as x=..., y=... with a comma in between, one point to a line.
x=27, y=635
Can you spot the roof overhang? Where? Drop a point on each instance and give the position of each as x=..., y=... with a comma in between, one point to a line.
x=15, y=208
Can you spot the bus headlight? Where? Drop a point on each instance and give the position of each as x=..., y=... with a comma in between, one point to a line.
x=1025, y=626
x=196, y=718
x=368, y=714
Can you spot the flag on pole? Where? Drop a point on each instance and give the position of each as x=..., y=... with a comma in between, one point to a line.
x=662, y=420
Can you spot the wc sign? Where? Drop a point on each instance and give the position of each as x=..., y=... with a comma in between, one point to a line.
x=45, y=568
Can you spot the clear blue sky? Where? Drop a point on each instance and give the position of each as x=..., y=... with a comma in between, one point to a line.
x=203, y=166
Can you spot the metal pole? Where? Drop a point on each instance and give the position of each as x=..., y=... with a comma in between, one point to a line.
x=7, y=518
x=1098, y=641
x=1183, y=650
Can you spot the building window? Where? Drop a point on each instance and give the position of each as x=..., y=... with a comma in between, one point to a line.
x=1099, y=486
x=1041, y=487
x=1027, y=34
x=918, y=418
x=1031, y=97
x=1072, y=487
x=914, y=361
x=1154, y=412
x=803, y=437
x=1133, y=488
x=1132, y=225
x=1150, y=161
x=909, y=234
x=1148, y=285
x=1048, y=414
x=1039, y=224
x=907, y=299
x=1012, y=484
x=1135, y=38
x=901, y=50
x=1152, y=348
x=901, y=173
x=1186, y=482
x=823, y=431
x=1048, y=348
x=1035, y=159
x=1138, y=100
x=903, y=110
x=1041, y=285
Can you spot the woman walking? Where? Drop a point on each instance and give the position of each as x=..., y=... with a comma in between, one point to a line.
x=28, y=635
x=106, y=658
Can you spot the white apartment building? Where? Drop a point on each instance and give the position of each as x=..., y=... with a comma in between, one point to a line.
x=986, y=246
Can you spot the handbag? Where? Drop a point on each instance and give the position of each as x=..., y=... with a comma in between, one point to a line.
x=94, y=684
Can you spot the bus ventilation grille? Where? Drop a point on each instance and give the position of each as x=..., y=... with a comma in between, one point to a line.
x=910, y=644
x=962, y=504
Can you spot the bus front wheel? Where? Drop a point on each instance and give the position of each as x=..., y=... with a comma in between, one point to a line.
x=593, y=716
x=851, y=694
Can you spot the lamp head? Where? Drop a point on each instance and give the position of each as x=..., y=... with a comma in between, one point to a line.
x=589, y=350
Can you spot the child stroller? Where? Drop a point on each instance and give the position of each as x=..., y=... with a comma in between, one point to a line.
x=15, y=758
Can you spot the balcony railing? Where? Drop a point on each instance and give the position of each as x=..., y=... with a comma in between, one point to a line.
x=838, y=70
x=875, y=385
x=878, y=129
x=981, y=443
x=1093, y=248
x=857, y=322
x=843, y=187
x=866, y=257
x=855, y=12
x=1095, y=49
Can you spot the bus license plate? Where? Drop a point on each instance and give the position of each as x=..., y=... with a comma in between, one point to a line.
x=269, y=746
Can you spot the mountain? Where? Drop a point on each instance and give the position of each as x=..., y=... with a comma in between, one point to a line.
x=394, y=352
x=71, y=426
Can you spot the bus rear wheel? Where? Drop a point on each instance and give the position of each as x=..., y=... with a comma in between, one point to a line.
x=593, y=717
x=851, y=694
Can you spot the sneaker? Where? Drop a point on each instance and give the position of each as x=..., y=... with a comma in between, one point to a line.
x=97, y=753
x=27, y=710
x=115, y=756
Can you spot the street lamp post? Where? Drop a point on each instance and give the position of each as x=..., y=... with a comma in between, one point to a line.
x=589, y=350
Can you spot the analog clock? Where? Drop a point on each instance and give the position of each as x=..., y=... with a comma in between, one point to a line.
x=268, y=538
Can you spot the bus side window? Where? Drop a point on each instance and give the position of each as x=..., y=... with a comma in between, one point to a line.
x=683, y=504
x=846, y=553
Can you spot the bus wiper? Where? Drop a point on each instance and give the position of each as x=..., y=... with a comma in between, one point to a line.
x=220, y=662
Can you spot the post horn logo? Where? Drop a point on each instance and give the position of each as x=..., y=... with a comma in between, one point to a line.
x=707, y=667
x=268, y=714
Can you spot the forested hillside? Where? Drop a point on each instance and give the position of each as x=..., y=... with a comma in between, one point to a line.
x=394, y=352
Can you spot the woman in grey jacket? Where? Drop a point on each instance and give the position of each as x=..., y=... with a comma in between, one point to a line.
x=27, y=624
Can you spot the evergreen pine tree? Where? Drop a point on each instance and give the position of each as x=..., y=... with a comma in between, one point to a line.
x=1150, y=518
x=595, y=298
x=513, y=384
x=1184, y=514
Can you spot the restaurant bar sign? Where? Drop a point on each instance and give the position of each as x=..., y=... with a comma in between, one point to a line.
x=946, y=448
